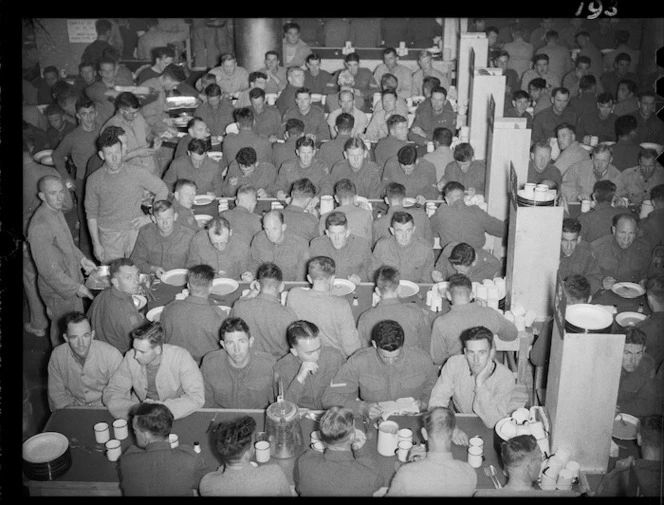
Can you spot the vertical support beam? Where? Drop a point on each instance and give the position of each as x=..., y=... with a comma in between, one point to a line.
x=480, y=45
x=450, y=37
x=484, y=82
x=253, y=38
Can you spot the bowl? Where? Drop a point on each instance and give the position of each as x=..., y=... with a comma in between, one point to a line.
x=407, y=288
x=223, y=286
x=154, y=314
x=586, y=318
x=203, y=219
x=652, y=145
x=176, y=277
x=628, y=289
x=203, y=199
x=139, y=301
x=626, y=319
x=215, y=155
x=343, y=287
x=44, y=157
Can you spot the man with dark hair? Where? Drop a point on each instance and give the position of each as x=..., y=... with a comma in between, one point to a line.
x=152, y=467
x=540, y=95
x=458, y=222
x=541, y=70
x=520, y=101
x=276, y=74
x=464, y=315
x=364, y=80
x=216, y=247
x=385, y=108
x=625, y=150
x=311, y=116
x=413, y=319
x=58, y=128
x=359, y=218
x=442, y=154
x=263, y=312
x=331, y=313
x=394, y=197
x=610, y=79
x=474, y=381
x=585, y=102
x=500, y=59
x=600, y=124
x=257, y=80
x=462, y=258
x=545, y=122
x=650, y=127
x=317, y=80
x=350, y=252
x=284, y=151
x=242, y=218
x=196, y=129
x=246, y=170
x=579, y=180
x=387, y=147
x=412, y=256
x=386, y=371
x=358, y=168
x=102, y=89
x=465, y=169
x=417, y=176
x=216, y=111
x=571, y=151
x=79, y=369
x=162, y=57
x=277, y=245
x=425, y=62
x=156, y=112
x=305, y=165
x=300, y=214
x=342, y=129
x=653, y=225
x=347, y=106
x=246, y=137
x=93, y=52
x=440, y=115
x=164, y=244
x=653, y=326
x=193, y=323
x=403, y=74
x=635, y=183
x=572, y=80
x=589, y=49
x=576, y=256
x=267, y=119
x=87, y=75
x=237, y=376
x=429, y=83
x=598, y=221
x=540, y=168
x=626, y=100
x=295, y=50
x=286, y=100
x=309, y=368
x=198, y=167
x=44, y=85
x=184, y=192
x=156, y=371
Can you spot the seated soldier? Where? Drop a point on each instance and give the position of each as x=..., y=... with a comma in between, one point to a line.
x=347, y=106
x=417, y=176
x=242, y=218
x=152, y=467
x=308, y=368
x=164, y=244
x=413, y=319
x=193, y=323
x=540, y=168
x=184, y=192
x=466, y=170
x=636, y=182
x=585, y=103
x=162, y=57
x=441, y=114
x=412, y=256
x=474, y=381
x=462, y=258
x=285, y=151
x=626, y=150
x=522, y=458
x=196, y=129
x=464, y=315
x=387, y=371
x=216, y=247
x=305, y=165
x=263, y=312
x=58, y=128
x=387, y=147
x=198, y=167
x=247, y=170
x=155, y=371
x=311, y=115
x=579, y=179
x=300, y=214
x=571, y=151
x=520, y=102
x=216, y=110
x=113, y=313
x=458, y=222
x=442, y=154
x=597, y=222
x=394, y=196
x=332, y=151
x=350, y=252
x=429, y=83
x=652, y=326
x=576, y=256
x=277, y=245
x=601, y=123
x=401, y=73
x=79, y=369
x=237, y=376
x=626, y=100
x=267, y=119
x=246, y=137
x=257, y=80
x=331, y=313
x=377, y=128
x=540, y=95
x=358, y=168
x=360, y=219
x=346, y=468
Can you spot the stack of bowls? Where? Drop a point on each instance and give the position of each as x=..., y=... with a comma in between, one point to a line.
x=524, y=201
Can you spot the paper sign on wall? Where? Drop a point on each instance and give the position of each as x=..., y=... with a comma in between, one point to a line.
x=81, y=30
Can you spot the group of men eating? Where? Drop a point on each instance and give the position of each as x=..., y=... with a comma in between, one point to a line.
x=118, y=197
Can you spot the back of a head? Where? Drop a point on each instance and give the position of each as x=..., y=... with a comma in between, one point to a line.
x=336, y=425
x=395, y=192
x=175, y=73
x=604, y=191
x=200, y=277
x=245, y=117
x=103, y=27
x=443, y=136
x=233, y=438
x=407, y=155
x=517, y=450
x=625, y=125
x=657, y=193
x=303, y=189
x=651, y=433
x=345, y=123
x=269, y=275
x=388, y=335
x=394, y=120
x=577, y=289
x=294, y=127
x=246, y=157
x=321, y=268
x=462, y=254
x=387, y=279
x=459, y=285
x=463, y=152
x=439, y=422
x=389, y=82
x=537, y=83
x=154, y=418
x=345, y=189
x=453, y=186
x=246, y=194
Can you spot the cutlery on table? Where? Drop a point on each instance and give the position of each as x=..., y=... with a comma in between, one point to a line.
x=490, y=472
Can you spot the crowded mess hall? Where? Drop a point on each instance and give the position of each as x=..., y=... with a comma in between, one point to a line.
x=343, y=257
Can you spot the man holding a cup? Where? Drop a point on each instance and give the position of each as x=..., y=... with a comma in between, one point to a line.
x=635, y=183
x=579, y=179
x=600, y=126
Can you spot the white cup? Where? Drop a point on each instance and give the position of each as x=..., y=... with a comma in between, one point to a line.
x=482, y=292
x=102, y=433
x=284, y=296
x=573, y=467
x=563, y=455
x=476, y=442
x=487, y=282
x=405, y=434
x=548, y=482
x=565, y=479
x=541, y=194
x=594, y=140
x=120, y=429
x=436, y=242
x=318, y=445
x=174, y=440
x=113, y=450
x=537, y=430
x=646, y=208
x=553, y=466
x=314, y=436
x=326, y=204
x=529, y=190
x=262, y=451
x=388, y=438
x=585, y=206
x=403, y=448
x=271, y=98
x=430, y=147
x=475, y=456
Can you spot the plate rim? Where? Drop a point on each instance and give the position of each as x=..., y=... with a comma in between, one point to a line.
x=174, y=271
x=347, y=283
x=631, y=313
x=631, y=420
x=211, y=199
x=226, y=279
x=46, y=434
x=581, y=305
x=633, y=285
x=406, y=282
x=153, y=311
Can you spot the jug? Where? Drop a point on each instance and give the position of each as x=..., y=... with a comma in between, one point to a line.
x=282, y=424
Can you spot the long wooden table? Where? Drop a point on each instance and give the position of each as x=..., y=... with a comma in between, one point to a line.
x=91, y=474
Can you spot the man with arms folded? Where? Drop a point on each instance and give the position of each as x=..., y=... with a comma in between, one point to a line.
x=305, y=165
x=597, y=222
x=465, y=169
x=412, y=256
x=79, y=369
x=237, y=376
x=458, y=222
x=413, y=319
x=545, y=122
x=113, y=196
x=474, y=381
x=267, y=119
x=309, y=367
x=242, y=217
x=394, y=196
x=277, y=245
x=247, y=170
x=164, y=244
x=246, y=137
x=571, y=151
x=155, y=372
x=263, y=312
x=540, y=169
x=184, y=192
x=579, y=180
x=464, y=315
x=216, y=247
x=350, y=252
x=300, y=214
x=576, y=256
x=347, y=106
x=386, y=371
x=332, y=151
x=359, y=218
x=113, y=313
x=636, y=183
x=417, y=176
x=198, y=167
x=463, y=259
x=193, y=323
x=438, y=474
x=331, y=313
x=357, y=167
x=440, y=115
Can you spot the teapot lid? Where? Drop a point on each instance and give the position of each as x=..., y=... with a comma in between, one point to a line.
x=282, y=409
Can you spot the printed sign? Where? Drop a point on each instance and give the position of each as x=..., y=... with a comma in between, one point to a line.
x=81, y=31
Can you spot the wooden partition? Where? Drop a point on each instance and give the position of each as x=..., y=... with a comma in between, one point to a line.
x=484, y=84
x=477, y=43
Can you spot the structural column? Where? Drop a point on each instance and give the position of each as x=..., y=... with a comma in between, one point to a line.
x=254, y=37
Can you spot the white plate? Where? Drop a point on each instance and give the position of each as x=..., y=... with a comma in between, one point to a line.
x=182, y=101
x=625, y=319
x=588, y=317
x=223, y=286
x=408, y=201
x=225, y=309
x=154, y=314
x=627, y=289
x=175, y=277
x=215, y=155
x=233, y=128
x=139, y=301
x=407, y=288
x=45, y=447
x=203, y=199
x=652, y=145
x=202, y=219
x=625, y=431
x=316, y=97
x=44, y=157
x=343, y=287
x=363, y=202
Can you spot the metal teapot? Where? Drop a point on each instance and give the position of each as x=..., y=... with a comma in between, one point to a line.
x=282, y=424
